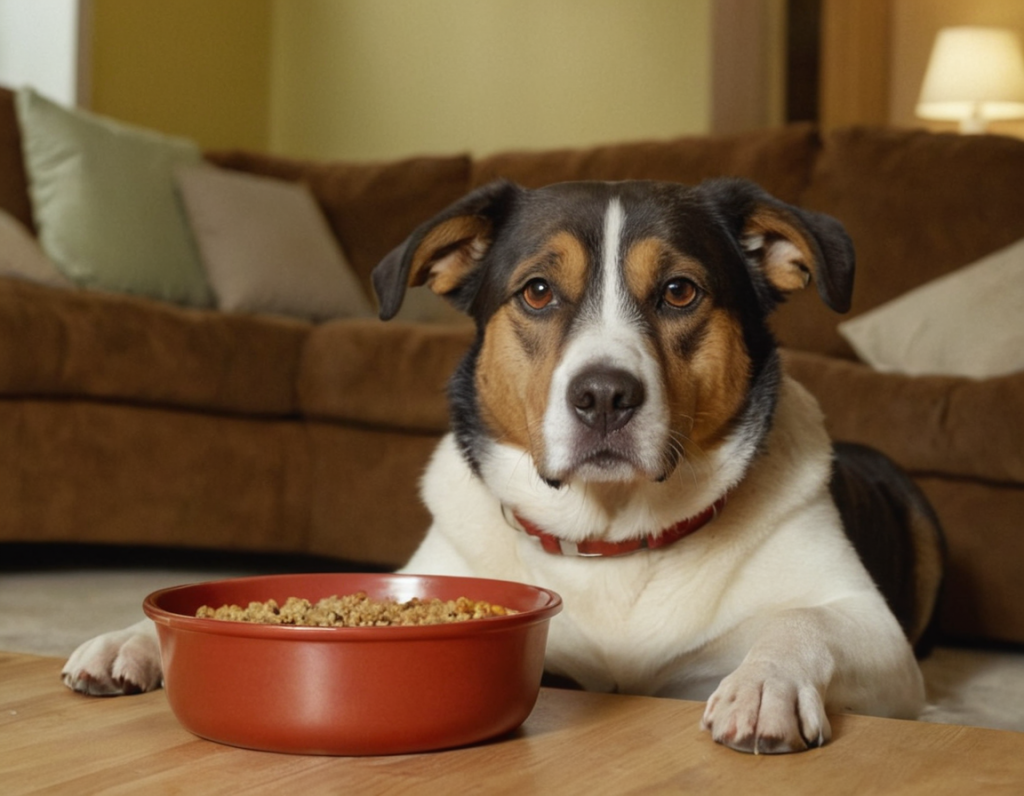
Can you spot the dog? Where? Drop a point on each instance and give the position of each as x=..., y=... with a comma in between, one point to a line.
x=623, y=432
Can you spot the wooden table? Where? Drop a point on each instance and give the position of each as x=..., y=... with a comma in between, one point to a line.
x=55, y=741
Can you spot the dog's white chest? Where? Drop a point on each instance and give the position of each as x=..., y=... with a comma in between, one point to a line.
x=612, y=636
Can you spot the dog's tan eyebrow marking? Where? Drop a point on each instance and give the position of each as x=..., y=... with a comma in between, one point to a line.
x=651, y=260
x=564, y=256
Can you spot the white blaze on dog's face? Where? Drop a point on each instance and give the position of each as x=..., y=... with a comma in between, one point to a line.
x=622, y=326
x=605, y=417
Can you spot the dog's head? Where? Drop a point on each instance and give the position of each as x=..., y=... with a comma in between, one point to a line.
x=622, y=327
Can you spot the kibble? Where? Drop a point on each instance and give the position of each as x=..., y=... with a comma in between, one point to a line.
x=356, y=610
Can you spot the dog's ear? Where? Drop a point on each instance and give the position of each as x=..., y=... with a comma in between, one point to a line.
x=444, y=253
x=788, y=245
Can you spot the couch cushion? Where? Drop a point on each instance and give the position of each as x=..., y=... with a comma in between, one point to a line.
x=382, y=374
x=917, y=205
x=928, y=424
x=83, y=344
x=104, y=199
x=266, y=246
x=13, y=180
x=371, y=207
x=779, y=160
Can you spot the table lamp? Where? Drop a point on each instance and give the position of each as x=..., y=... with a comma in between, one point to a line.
x=975, y=75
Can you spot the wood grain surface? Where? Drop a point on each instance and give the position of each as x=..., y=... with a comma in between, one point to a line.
x=55, y=741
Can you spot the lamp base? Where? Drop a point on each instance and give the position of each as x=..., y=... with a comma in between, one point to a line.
x=975, y=124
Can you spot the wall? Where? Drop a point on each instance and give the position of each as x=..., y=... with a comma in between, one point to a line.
x=372, y=79
x=748, y=65
x=914, y=25
x=855, y=62
x=385, y=78
x=197, y=68
x=47, y=62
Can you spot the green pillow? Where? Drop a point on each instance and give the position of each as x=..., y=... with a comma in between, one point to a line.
x=105, y=202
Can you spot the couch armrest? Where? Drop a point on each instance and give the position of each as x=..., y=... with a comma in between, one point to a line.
x=928, y=424
x=391, y=375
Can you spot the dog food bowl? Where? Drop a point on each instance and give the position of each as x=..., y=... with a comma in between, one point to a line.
x=351, y=690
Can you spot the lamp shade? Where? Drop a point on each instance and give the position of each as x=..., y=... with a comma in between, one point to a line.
x=974, y=73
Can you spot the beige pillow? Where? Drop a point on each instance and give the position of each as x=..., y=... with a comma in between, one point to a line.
x=267, y=248
x=22, y=258
x=967, y=323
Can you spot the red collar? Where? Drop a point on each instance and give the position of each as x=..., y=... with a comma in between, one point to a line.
x=592, y=548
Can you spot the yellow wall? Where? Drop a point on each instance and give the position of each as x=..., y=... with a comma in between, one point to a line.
x=199, y=68
x=380, y=78
x=372, y=79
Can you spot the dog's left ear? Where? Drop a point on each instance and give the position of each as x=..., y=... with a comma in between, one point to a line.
x=790, y=246
x=444, y=253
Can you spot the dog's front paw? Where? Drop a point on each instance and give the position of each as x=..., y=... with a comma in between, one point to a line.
x=763, y=709
x=122, y=662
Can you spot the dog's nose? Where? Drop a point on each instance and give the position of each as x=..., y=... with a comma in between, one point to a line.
x=605, y=398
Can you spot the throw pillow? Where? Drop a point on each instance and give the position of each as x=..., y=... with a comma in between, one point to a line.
x=21, y=257
x=267, y=247
x=104, y=201
x=966, y=323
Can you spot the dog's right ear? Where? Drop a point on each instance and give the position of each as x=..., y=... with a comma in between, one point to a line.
x=445, y=252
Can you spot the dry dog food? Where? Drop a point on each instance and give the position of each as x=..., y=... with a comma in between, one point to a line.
x=355, y=610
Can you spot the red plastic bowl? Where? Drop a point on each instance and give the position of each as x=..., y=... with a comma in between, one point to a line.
x=358, y=690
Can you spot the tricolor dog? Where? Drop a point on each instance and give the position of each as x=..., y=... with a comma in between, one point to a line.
x=623, y=433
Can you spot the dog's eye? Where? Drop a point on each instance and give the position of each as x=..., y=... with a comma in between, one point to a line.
x=679, y=293
x=538, y=294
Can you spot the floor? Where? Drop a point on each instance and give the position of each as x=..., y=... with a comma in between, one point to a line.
x=50, y=612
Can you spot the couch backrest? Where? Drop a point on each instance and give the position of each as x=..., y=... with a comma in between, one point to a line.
x=780, y=160
x=917, y=205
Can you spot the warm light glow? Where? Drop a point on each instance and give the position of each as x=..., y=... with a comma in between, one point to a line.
x=974, y=75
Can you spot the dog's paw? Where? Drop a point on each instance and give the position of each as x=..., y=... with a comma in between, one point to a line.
x=122, y=662
x=763, y=709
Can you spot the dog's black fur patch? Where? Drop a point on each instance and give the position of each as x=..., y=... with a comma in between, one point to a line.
x=876, y=501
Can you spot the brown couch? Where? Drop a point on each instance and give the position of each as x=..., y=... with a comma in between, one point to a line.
x=124, y=420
